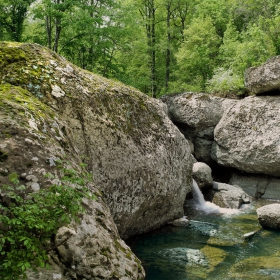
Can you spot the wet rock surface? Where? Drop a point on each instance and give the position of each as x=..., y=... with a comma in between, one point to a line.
x=202, y=175
x=269, y=216
x=229, y=196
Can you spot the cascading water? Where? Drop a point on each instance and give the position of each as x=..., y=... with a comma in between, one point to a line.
x=207, y=206
x=198, y=196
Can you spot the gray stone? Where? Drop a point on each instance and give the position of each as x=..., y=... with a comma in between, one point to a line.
x=248, y=135
x=197, y=110
x=203, y=149
x=269, y=216
x=140, y=162
x=196, y=115
x=264, y=78
x=228, y=196
x=137, y=157
x=257, y=186
x=202, y=175
x=182, y=222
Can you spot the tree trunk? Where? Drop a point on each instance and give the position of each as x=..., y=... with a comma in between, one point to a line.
x=168, y=51
x=148, y=13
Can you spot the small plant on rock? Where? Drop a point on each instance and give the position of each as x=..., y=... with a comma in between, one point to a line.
x=29, y=221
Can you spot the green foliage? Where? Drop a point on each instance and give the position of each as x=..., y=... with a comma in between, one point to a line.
x=29, y=221
x=197, y=56
x=157, y=46
x=225, y=82
x=12, y=16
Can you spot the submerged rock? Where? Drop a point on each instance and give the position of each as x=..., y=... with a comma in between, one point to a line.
x=264, y=267
x=269, y=216
x=182, y=222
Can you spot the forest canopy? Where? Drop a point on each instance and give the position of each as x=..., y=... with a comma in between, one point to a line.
x=157, y=46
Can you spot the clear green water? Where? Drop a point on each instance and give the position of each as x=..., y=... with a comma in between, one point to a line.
x=212, y=247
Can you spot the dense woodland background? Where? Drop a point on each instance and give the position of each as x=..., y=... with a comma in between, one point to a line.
x=157, y=46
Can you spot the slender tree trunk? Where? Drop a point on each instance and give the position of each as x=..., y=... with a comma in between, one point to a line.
x=57, y=34
x=168, y=51
x=148, y=14
x=49, y=31
x=153, y=52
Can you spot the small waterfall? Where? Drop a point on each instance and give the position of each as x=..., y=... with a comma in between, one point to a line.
x=198, y=196
x=207, y=206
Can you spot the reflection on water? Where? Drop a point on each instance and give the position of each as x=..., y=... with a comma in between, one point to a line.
x=213, y=246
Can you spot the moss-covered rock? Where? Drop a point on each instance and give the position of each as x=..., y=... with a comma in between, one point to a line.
x=266, y=267
x=50, y=110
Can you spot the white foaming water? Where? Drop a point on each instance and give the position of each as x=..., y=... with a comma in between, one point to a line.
x=207, y=206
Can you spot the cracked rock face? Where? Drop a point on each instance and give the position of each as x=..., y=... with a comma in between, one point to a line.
x=196, y=115
x=248, y=135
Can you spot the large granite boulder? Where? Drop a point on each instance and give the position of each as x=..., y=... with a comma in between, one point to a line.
x=264, y=78
x=228, y=196
x=196, y=115
x=141, y=163
x=269, y=216
x=247, y=137
x=257, y=186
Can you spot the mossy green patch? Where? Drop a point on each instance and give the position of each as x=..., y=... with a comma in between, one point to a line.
x=22, y=100
x=10, y=55
x=256, y=267
x=21, y=65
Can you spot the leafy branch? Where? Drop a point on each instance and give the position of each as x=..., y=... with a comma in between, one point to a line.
x=29, y=221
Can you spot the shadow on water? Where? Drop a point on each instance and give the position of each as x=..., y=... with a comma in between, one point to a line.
x=213, y=246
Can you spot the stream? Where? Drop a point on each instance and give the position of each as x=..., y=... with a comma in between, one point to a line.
x=213, y=246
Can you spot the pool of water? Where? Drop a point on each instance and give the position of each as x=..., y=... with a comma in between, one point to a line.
x=213, y=246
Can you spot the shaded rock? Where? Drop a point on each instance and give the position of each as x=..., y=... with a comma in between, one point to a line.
x=264, y=78
x=229, y=196
x=94, y=242
x=203, y=149
x=269, y=216
x=257, y=186
x=196, y=115
x=247, y=137
x=202, y=175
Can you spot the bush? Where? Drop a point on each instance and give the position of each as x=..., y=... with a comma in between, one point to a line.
x=225, y=82
x=28, y=221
